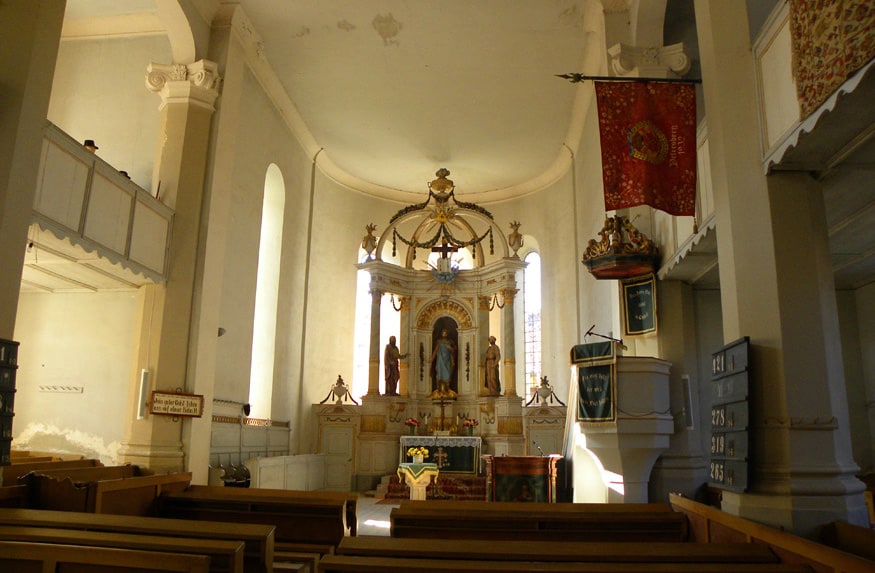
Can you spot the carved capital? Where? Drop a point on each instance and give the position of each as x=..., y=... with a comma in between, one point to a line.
x=508, y=294
x=649, y=61
x=198, y=83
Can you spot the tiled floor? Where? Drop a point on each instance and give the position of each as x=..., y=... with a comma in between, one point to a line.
x=373, y=518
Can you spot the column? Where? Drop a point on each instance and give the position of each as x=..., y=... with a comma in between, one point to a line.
x=482, y=342
x=507, y=340
x=188, y=93
x=374, y=359
x=404, y=343
x=30, y=31
x=777, y=287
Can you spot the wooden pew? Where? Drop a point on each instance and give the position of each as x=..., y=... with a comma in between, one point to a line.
x=350, y=499
x=14, y=496
x=537, y=521
x=18, y=557
x=226, y=556
x=258, y=539
x=849, y=537
x=557, y=550
x=125, y=496
x=709, y=524
x=358, y=564
x=11, y=474
x=297, y=520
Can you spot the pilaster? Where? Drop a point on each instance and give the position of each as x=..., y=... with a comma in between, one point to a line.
x=405, y=342
x=776, y=286
x=374, y=356
x=508, y=339
x=166, y=343
x=30, y=32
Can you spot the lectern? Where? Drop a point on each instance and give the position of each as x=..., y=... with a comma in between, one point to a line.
x=521, y=478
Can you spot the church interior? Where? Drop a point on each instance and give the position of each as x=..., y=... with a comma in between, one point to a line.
x=285, y=244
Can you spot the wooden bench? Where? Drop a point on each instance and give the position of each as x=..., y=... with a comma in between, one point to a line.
x=10, y=474
x=297, y=520
x=849, y=537
x=709, y=524
x=537, y=521
x=225, y=555
x=557, y=550
x=358, y=564
x=350, y=499
x=258, y=539
x=125, y=496
x=14, y=496
x=512, y=506
x=18, y=557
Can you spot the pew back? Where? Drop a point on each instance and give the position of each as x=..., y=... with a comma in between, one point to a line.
x=349, y=499
x=559, y=551
x=357, y=564
x=124, y=496
x=20, y=557
x=317, y=521
x=537, y=521
x=258, y=539
x=225, y=555
x=709, y=524
x=11, y=474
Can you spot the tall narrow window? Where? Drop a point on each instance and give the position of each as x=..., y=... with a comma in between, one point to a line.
x=266, y=294
x=532, y=320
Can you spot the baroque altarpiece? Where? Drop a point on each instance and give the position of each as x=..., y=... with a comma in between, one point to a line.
x=453, y=276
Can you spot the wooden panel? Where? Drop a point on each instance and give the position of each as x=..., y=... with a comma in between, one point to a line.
x=108, y=215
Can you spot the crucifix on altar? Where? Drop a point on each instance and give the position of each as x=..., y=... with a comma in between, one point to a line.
x=444, y=249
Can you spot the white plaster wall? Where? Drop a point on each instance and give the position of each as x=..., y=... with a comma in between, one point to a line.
x=99, y=93
x=311, y=348
x=74, y=340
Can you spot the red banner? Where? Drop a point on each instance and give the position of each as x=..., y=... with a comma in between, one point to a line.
x=648, y=136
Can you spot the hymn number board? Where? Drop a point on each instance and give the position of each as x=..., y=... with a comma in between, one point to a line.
x=730, y=388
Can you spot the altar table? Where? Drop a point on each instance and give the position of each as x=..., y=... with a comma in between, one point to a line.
x=451, y=454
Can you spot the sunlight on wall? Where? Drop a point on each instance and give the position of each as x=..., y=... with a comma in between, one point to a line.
x=49, y=438
x=267, y=293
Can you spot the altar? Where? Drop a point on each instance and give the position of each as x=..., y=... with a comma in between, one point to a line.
x=452, y=454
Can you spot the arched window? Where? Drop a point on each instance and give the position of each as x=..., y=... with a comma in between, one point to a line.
x=532, y=320
x=266, y=294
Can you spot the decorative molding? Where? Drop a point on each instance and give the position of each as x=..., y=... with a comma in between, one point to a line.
x=444, y=307
x=198, y=83
x=63, y=389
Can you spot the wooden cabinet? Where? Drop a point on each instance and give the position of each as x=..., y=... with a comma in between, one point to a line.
x=521, y=478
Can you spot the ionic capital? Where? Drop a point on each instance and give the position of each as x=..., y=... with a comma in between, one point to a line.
x=198, y=83
x=651, y=62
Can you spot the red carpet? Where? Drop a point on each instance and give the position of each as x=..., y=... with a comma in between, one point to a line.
x=448, y=486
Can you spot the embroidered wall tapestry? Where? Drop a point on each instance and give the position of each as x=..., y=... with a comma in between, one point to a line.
x=831, y=39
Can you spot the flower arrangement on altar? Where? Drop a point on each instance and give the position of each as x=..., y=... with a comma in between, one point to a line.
x=418, y=451
x=470, y=423
x=412, y=422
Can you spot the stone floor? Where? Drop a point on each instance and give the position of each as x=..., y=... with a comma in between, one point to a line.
x=373, y=517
